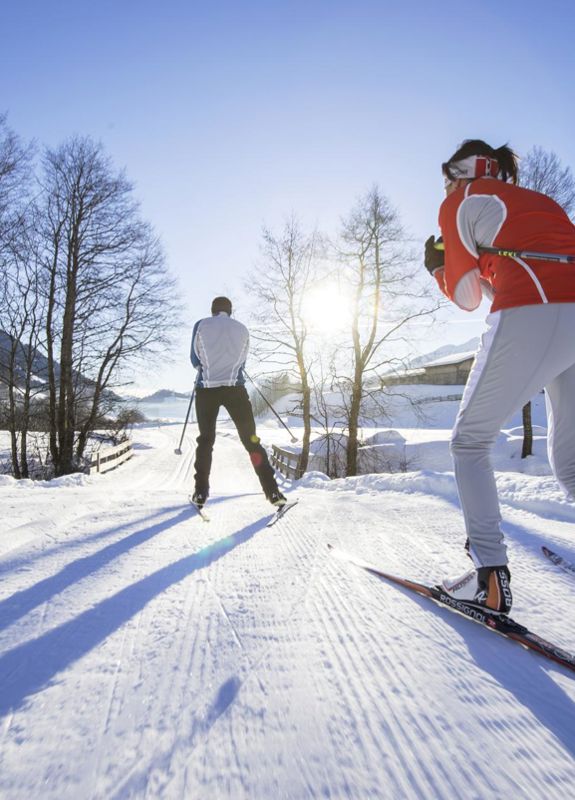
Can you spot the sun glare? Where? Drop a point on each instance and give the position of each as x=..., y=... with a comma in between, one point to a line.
x=326, y=309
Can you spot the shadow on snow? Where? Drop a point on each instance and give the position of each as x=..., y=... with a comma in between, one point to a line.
x=28, y=668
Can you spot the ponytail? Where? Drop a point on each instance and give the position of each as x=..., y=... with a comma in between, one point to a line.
x=508, y=163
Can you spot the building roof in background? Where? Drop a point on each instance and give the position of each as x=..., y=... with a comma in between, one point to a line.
x=454, y=358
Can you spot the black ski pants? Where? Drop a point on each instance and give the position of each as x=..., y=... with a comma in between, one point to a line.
x=236, y=401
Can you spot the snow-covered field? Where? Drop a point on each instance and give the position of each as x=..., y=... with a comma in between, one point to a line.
x=147, y=654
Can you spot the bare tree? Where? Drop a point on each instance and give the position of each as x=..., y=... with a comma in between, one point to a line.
x=386, y=296
x=109, y=299
x=15, y=165
x=19, y=305
x=22, y=318
x=542, y=171
x=281, y=330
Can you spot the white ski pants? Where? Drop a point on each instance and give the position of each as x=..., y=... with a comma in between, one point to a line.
x=524, y=350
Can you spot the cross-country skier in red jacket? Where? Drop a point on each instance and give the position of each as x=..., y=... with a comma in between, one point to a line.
x=529, y=343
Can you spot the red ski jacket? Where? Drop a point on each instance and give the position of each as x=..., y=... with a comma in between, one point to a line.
x=489, y=212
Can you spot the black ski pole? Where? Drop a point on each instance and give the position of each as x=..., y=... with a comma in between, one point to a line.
x=269, y=405
x=528, y=254
x=178, y=450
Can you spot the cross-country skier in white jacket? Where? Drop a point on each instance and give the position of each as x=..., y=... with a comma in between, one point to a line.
x=219, y=350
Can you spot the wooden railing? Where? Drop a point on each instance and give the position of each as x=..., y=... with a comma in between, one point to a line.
x=110, y=457
x=286, y=462
x=442, y=398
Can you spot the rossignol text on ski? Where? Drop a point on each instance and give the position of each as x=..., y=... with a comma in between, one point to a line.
x=495, y=622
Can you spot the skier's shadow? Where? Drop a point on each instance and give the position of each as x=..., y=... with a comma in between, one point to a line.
x=522, y=674
x=28, y=668
x=21, y=603
x=9, y=565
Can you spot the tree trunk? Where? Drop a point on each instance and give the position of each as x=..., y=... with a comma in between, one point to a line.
x=353, y=428
x=14, y=439
x=13, y=411
x=67, y=399
x=51, y=367
x=527, y=431
x=306, y=410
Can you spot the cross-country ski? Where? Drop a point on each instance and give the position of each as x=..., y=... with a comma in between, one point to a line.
x=199, y=510
x=500, y=623
x=558, y=560
x=281, y=512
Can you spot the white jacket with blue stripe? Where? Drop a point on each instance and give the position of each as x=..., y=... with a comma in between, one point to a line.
x=219, y=350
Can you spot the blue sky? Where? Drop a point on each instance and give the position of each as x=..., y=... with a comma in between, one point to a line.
x=230, y=115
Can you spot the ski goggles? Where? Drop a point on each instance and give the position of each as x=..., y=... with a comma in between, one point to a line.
x=470, y=168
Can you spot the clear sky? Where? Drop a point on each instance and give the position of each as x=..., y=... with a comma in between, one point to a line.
x=231, y=114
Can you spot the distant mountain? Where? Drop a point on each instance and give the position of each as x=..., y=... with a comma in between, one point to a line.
x=39, y=380
x=39, y=363
x=446, y=350
x=164, y=394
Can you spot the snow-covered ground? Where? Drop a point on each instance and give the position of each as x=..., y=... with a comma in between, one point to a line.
x=147, y=654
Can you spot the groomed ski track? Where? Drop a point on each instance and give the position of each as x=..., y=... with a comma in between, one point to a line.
x=145, y=654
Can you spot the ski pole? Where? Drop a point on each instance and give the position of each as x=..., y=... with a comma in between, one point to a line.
x=178, y=450
x=293, y=438
x=562, y=259
x=535, y=256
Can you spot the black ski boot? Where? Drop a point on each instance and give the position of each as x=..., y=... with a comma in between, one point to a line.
x=277, y=499
x=199, y=499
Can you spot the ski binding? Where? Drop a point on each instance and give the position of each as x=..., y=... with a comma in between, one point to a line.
x=281, y=511
x=199, y=509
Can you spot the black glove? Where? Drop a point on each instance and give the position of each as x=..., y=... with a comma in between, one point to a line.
x=434, y=258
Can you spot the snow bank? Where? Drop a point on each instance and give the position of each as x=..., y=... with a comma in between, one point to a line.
x=538, y=494
x=74, y=480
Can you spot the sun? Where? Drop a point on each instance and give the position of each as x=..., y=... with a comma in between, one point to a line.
x=326, y=309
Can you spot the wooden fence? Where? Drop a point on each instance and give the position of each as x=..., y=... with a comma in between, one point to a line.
x=286, y=462
x=111, y=457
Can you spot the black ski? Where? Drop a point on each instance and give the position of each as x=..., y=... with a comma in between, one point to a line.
x=199, y=509
x=494, y=622
x=281, y=511
x=559, y=561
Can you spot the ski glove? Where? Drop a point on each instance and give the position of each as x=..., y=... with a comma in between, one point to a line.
x=434, y=259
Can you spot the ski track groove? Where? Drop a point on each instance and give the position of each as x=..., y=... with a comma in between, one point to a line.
x=162, y=765
x=351, y=653
x=170, y=695
x=360, y=658
x=286, y=623
x=110, y=704
x=467, y=693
